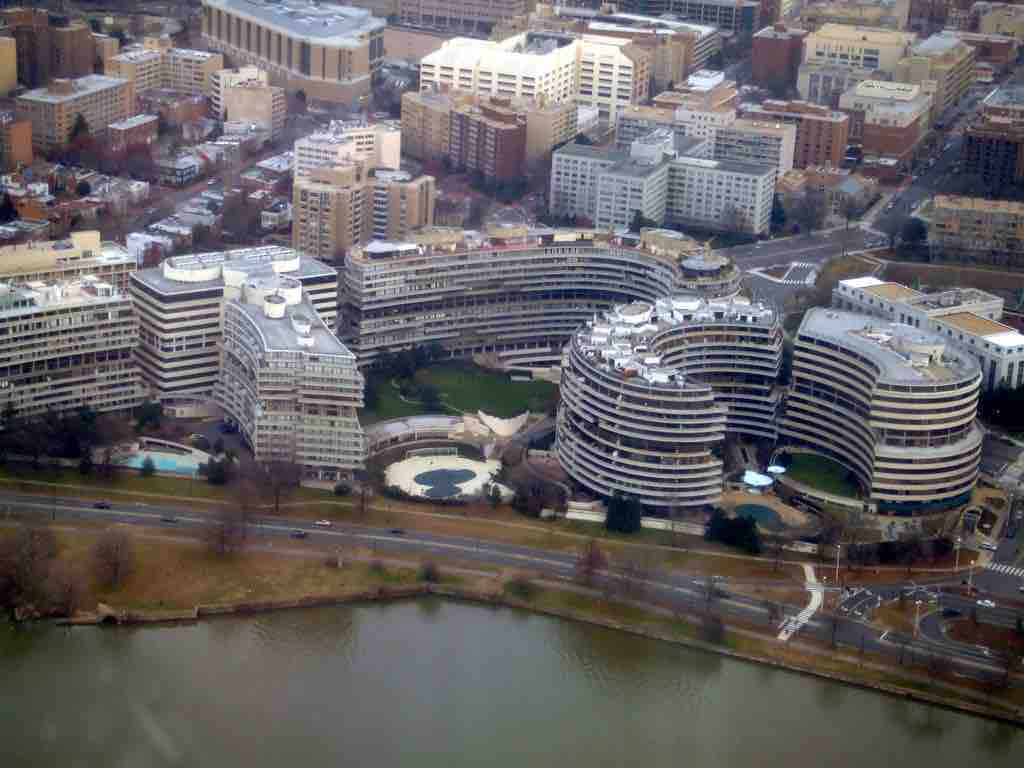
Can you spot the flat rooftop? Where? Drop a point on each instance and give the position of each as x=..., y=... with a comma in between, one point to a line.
x=1007, y=96
x=282, y=333
x=326, y=23
x=977, y=204
x=591, y=152
x=902, y=353
x=133, y=122
x=81, y=86
x=892, y=291
x=968, y=322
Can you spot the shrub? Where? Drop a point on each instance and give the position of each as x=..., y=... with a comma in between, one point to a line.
x=148, y=468
x=520, y=586
x=342, y=489
x=377, y=567
x=429, y=572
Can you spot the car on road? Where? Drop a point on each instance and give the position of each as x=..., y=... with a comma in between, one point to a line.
x=298, y=533
x=168, y=519
x=1020, y=588
x=986, y=604
x=323, y=523
x=397, y=531
x=950, y=613
x=989, y=547
x=101, y=505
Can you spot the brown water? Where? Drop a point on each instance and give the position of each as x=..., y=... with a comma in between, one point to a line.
x=432, y=683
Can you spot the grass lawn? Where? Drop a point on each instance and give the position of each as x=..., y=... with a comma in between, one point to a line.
x=389, y=405
x=822, y=473
x=466, y=387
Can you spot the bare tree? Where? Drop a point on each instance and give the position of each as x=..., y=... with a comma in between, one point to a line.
x=279, y=475
x=65, y=587
x=225, y=533
x=809, y=210
x=114, y=558
x=709, y=591
x=634, y=573
x=590, y=561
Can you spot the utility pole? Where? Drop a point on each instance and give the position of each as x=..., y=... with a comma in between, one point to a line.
x=917, y=618
x=839, y=548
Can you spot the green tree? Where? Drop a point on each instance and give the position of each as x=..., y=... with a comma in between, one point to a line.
x=148, y=468
x=8, y=212
x=624, y=514
x=778, y=214
x=639, y=221
x=913, y=232
x=429, y=397
x=149, y=414
x=83, y=188
x=80, y=127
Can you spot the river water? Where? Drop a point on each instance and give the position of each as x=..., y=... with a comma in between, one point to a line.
x=431, y=683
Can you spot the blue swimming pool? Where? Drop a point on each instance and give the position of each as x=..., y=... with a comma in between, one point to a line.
x=443, y=483
x=164, y=462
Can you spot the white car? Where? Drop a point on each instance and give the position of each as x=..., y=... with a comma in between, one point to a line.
x=989, y=547
x=323, y=523
x=986, y=604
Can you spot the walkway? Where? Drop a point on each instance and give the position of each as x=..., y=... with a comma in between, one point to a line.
x=793, y=624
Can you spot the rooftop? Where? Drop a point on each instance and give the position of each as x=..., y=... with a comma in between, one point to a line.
x=588, y=151
x=78, y=247
x=81, y=86
x=1007, y=96
x=327, y=23
x=203, y=271
x=891, y=291
x=138, y=55
x=902, y=353
x=877, y=35
x=298, y=329
x=883, y=89
x=133, y=122
x=938, y=44
x=781, y=34
x=624, y=338
x=513, y=55
x=18, y=298
x=981, y=204
x=732, y=166
x=975, y=324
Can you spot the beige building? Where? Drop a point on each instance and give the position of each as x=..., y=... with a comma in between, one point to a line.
x=142, y=68
x=106, y=48
x=977, y=230
x=890, y=14
x=256, y=102
x=327, y=51
x=374, y=145
x=159, y=65
x=943, y=65
x=1002, y=19
x=336, y=208
x=53, y=110
x=8, y=65
x=471, y=16
x=82, y=253
x=224, y=78
x=426, y=119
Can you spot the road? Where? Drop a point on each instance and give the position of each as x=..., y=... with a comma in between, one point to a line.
x=670, y=589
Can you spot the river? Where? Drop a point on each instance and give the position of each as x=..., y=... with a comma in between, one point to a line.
x=430, y=683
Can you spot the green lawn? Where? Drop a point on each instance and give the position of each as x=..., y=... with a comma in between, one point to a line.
x=466, y=387
x=389, y=406
x=822, y=473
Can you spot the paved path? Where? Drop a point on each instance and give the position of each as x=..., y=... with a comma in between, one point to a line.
x=794, y=623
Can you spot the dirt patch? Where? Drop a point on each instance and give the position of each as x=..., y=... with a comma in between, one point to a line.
x=988, y=635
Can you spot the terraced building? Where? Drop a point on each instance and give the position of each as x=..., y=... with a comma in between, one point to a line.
x=649, y=391
x=514, y=292
x=893, y=404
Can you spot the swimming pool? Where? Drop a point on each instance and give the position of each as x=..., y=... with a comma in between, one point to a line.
x=163, y=462
x=766, y=517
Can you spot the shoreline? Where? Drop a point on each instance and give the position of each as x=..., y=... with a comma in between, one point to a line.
x=108, y=616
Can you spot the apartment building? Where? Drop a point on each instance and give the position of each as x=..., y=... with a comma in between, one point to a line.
x=667, y=181
x=8, y=66
x=53, y=110
x=375, y=145
x=327, y=51
x=15, y=142
x=757, y=141
x=994, y=54
x=639, y=120
x=678, y=48
x=821, y=133
x=517, y=293
x=291, y=387
x=106, y=48
x=993, y=146
x=837, y=57
x=82, y=254
x=137, y=131
x=887, y=14
x=67, y=345
x=977, y=230
x=257, y=103
x=999, y=19
x=226, y=78
x=670, y=379
x=180, y=305
x=469, y=16
x=895, y=405
x=736, y=18
x=944, y=67
x=776, y=54
x=965, y=317
x=48, y=47
x=887, y=119
x=487, y=139
x=593, y=70
x=336, y=208
x=704, y=103
x=157, y=64
x=143, y=68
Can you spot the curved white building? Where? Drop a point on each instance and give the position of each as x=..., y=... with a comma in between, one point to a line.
x=894, y=404
x=649, y=391
x=515, y=292
x=286, y=380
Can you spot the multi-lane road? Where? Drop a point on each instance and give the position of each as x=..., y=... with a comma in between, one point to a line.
x=669, y=589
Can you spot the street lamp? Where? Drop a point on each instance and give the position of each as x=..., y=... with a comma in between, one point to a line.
x=917, y=618
x=839, y=548
x=956, y=548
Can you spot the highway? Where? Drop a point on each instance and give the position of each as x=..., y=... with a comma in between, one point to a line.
x=680, y=592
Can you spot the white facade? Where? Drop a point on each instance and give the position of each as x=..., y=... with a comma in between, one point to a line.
x=757, y=141
x=896, y=105
x=378, y=145
x=575, y=170
x=606, y=76
x=720, y=195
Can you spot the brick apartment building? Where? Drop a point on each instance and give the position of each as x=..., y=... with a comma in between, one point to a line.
x=776, y=55
x=993, y=147
x=821, y=133
x=489, y=139
x=49, y=46
x=887, y=119
x=137, y=131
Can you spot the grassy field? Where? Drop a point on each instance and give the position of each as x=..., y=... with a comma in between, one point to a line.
x=466, y=387
x=389, y=405
x=822, y=473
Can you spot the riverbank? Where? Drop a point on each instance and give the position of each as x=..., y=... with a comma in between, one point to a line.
x=178, y=580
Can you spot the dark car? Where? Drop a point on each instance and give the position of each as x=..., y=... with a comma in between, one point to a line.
x=397, y=531
x=950, y=613
x=101, y=505
x=168, y=519
x=298, y=534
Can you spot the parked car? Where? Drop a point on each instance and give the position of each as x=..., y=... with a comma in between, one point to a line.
x=322, y=523
x=950, y=613
x=397, y=531
x=986, y=604
x=298, y=533
x=989, y=547
x=168, y=519
x=101, y=505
